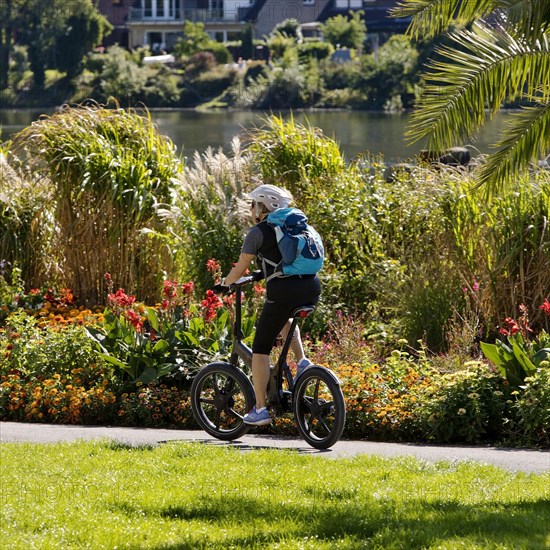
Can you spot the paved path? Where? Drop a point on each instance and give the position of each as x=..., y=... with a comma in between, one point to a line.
x=509, y=459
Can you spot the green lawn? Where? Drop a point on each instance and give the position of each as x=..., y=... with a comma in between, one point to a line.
x=192, y=495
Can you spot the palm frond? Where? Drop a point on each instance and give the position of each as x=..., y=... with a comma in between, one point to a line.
x=486, y=69
x=525, y=139
x=531, y=18
x=431, y=17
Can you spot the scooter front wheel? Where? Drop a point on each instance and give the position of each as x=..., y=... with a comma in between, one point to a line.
x=221, y=395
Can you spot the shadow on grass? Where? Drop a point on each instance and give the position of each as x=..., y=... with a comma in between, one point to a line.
x=249, y=447
x=360, y=520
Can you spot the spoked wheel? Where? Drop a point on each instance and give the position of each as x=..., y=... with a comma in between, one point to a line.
x=319, y=407
x=220, y=396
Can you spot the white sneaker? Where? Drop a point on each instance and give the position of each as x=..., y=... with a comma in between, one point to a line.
x=303, y=364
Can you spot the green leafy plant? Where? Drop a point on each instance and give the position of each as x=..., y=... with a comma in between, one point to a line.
x=136, y=339
x=172, y=340
x=532, y=418
x=519, y=357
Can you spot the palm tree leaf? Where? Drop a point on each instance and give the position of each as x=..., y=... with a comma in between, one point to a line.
x=431, y=17
x=531, y=18
x=486, y=69
x=526, y=138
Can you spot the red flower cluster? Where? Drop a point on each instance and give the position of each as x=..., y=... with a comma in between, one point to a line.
x=512, y=325
x=521, y=325
x=211, y=304
x=120, y=299
x=214, y=267
x=171, y=297
x=170, y=289
x=188, y=288
x=546, y=307
x=134, y=319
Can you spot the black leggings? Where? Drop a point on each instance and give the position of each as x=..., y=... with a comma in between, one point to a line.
x=283, y=296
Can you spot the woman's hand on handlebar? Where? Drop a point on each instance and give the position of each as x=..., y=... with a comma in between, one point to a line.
x=222, y=289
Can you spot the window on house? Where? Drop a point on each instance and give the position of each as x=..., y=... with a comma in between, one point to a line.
x=147, y=8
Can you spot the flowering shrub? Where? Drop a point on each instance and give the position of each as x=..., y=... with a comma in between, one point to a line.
x=140, y=342
x=173, y=339
x=469, y=405
x=155, y=405
x=44, y=301
x=36, y=350
x=59, y=399
x=381, y=398
x=52, y=374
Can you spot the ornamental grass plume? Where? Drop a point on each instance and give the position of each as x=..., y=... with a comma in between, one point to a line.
x=208, y=214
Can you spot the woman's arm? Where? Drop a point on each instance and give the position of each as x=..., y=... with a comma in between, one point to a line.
x=239, y=269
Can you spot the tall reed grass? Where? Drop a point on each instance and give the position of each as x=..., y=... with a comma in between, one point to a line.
x=504, y=243
x=26, y=223
x=404, y=252
x=103, y=191
x=109, y=168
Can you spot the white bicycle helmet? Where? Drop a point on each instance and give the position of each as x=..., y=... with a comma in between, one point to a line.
x=271, y=196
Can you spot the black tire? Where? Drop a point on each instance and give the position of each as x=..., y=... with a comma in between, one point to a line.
x=221, y=395
x=319, y=407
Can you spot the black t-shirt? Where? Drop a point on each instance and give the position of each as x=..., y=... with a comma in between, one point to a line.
x=261, y=241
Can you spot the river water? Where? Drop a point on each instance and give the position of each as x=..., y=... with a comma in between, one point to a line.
x=357, y=132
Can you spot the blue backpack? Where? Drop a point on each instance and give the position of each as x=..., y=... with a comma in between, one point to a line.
x=300, y=245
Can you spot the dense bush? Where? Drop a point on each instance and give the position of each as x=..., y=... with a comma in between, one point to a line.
x=404, y=397
x=317, y=50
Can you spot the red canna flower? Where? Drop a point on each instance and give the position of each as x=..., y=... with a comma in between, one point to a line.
x=215, y=268
x=211, y=304
x=546, y=307
x=170, y=289
x=188, y=288
x=212, y=265
x=120, y=299
x=259, y=289
x=134, y=319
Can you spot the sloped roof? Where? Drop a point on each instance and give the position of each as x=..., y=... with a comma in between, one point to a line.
x=377, y=18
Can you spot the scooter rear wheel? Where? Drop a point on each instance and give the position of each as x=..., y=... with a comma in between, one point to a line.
x=319, y=407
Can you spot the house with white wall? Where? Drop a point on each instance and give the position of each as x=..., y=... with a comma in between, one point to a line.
x=159, y=23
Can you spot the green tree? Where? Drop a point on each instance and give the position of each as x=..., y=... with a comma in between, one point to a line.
x=84, y=29
x=347, y=32
x=195, y=39
x=486, y=64
x=9, y=13
x=290, y=27
x=391, y=72
x=54, y=32
x=247, y=44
